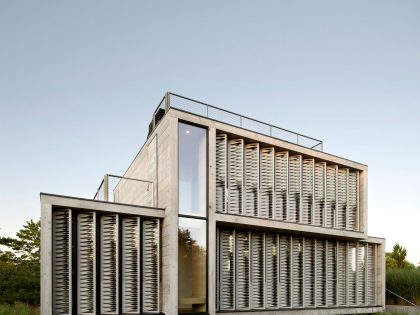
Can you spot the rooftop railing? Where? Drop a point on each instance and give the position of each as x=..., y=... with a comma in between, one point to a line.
x=185, y=104
x=126, y=190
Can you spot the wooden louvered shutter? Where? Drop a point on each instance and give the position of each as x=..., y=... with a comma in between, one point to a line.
x=151, y=270
x=342, y=198
x=266, y=183
x=227, y=270
x=242, y=270
x=307, y=190
x=361, y=274
x=284, y=274
x=62, y=265
x=235, y=175
x=109, y=267
x=221, y=172
x=251, y=179
x=86, y=254
x=280, y=185
x=295, y=164
x=271, y=270
x=371, y=274
x=353, y=206
x=319, y=192
x=297, y=271
x=331, y=196
x=331, y=273
x=351, y=272
x=341, y=273
x=257, y=270
x=320, y=273
x=130, y=265
x=308, y=271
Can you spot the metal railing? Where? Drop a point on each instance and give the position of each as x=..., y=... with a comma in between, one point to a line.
x=185, y=104
x=126, y=190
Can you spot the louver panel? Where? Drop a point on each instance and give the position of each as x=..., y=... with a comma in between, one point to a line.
x=309, y=274
x=353, y=201
x=341, y=273
x=221, y=172
x=130, y=265
x=150, y=265
x=297, y=271
x=257, y=270
x=267, y=183
x=284, y=281
x=271, y=270
x=320, y=273
x=62, y=243
x=242, y=270
x=319, y=193
x=331, y=196
x=307, y=190
x=280, y=185
x=109, y=264
x=351, y=273
x=342, y=198
x=371, y=274
x=86, y=271
x=227, y=270
x=331, y=272
x=294, y=188
x=361, y=274
x=251, y=179
x=235, y=175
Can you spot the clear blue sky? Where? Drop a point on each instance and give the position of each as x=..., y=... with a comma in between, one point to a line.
x=80, y=79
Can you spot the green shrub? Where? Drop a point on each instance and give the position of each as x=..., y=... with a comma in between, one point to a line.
x=18, y=309
x=404, y=282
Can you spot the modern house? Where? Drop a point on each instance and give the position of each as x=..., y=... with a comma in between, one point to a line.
x=217, y=213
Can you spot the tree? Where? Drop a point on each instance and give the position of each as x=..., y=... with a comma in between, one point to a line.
x=19, y=265
x=396, y=258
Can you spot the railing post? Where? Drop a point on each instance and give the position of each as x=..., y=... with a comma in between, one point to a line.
x=167, y=101
x=106, y=196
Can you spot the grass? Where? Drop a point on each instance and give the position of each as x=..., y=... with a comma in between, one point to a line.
x=404, y=282
x=19, y=309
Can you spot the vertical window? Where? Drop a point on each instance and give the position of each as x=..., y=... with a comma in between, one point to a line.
x=192, y=231
x=192, y=265
x=192, y=170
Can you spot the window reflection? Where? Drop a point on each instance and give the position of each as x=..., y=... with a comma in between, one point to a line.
x=192, y=170
x=192, y=265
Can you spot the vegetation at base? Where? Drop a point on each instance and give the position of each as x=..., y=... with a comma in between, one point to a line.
x=20, y=269
x=402, y=277
x=19, y=309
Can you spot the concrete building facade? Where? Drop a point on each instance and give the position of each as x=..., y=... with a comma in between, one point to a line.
x=217, y=213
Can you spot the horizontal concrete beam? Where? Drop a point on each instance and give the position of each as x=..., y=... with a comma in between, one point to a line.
x=289, y=227
x=88, y=204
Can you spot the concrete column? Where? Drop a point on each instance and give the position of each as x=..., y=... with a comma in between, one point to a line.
x=46, y=258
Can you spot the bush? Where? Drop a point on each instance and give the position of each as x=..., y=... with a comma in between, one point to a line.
x=18, y=309
x=404, y=282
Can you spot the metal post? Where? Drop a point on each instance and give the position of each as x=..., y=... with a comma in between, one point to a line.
x=106, y=196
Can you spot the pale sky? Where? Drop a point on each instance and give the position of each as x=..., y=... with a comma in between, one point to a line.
x=79, y=81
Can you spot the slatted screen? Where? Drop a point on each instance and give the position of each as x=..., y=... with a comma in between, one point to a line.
x=235, y=175
x=109, y=263
x=280, y=185
x=353, y=207
x=307, y=190
x=261, y=270
x=243, y=270
x=331, y=196
x=295, y=167
x=342, y=198
x=266, y=182
x=62, y=266
x=319, y=193
x=221, y=172
x=252, y=153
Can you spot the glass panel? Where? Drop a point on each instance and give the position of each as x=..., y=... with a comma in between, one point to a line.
x=192, y=265
x=192, y=170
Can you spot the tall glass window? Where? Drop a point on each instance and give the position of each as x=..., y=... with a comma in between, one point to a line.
x=192, y=170
x=192, y=231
